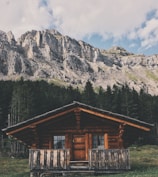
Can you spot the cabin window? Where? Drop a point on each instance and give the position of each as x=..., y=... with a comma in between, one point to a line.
x=59, y=142
x=98, y=141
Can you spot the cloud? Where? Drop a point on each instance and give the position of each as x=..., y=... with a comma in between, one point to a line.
x=132, y=45
x=105, y=17
x=147, y=33
x=114, y=19
x=20, y=16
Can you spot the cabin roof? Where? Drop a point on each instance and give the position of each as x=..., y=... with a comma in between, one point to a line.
x=82, y=108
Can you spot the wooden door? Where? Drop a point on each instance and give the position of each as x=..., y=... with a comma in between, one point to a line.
x=78, y=149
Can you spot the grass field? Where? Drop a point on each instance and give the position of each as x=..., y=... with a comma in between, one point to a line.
x=144, y=163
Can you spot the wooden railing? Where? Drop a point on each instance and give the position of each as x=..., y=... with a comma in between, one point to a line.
x=49, y=159
x=111, y=159
x=99, y=159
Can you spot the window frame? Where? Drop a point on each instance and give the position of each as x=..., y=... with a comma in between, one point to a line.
x=98, y=141
x=59, y=141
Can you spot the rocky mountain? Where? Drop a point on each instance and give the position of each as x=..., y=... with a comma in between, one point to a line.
x=51, y=56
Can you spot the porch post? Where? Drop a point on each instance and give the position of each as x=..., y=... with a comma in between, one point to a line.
x=106, y=144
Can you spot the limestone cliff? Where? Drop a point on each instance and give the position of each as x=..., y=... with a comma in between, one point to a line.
x=51, y=56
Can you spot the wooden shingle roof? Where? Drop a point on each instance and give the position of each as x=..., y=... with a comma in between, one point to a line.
x=82, y=108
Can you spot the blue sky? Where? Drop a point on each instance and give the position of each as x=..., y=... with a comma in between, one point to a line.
x=131, y=24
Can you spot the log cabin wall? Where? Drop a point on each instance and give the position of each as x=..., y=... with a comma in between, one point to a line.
x=87, y=134
x=77, y=118
x=79, y=127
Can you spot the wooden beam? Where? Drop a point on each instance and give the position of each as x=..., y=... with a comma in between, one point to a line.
x=50, y=142
x=35, y=136
x=121, y=130
x=40, y=121
x=86, y=145
x=82, y=131
x=78, y=118
x=90, y=140
x=114, y=119
x=106, y=143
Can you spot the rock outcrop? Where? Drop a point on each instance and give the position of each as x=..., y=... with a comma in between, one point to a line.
x=51, y=56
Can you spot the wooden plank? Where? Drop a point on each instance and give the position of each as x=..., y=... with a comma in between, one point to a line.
x=62, y=160
x=99, y=159
x=67, y=141
x=45, y=159
x=78, y=118
x=42, y=159
x=31, y=159
x=79, y=138
x=81, y=131
x=40, y=121
x=50, y=142
x=35, y=157
x=55, y=159
x=86, y=145
x=106, y=144
x=67, y=157
x=115, y=119
x=79, y=147
x=51, y=159
x=90, y=140
x=112, y=159
x=48, y=160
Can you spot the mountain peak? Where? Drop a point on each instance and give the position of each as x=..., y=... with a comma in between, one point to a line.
x=52, y=56
x=119, y=50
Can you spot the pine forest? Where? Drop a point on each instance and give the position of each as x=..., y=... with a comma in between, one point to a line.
x=21, y=100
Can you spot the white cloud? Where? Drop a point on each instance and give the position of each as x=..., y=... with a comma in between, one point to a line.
x=20, y=16
x=149, y=34
x=80, y=18
x=132, y=45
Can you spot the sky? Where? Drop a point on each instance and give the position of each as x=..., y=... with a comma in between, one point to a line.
x=131, y=24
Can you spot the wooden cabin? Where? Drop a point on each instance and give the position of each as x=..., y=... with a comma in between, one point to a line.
x=78, y=138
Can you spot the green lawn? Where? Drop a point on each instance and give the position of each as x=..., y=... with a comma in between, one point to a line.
x=10, y=167
x=144, y=163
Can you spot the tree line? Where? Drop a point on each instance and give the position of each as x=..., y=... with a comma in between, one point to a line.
x=21, y=100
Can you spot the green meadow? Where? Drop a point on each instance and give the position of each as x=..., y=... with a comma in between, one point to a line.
x=144, y=163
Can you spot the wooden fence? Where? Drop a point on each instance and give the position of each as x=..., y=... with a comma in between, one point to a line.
x=99, y=159
x=12, y=148
x=111, y=159
x=49, y=159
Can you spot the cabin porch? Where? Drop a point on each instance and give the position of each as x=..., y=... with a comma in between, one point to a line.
x=43, y=162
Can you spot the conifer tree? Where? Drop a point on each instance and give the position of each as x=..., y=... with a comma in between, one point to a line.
x=101, y=98
x=116, y=99
x=22, y=102
x=108, y=99
x=89, y=96
x=5, y=99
